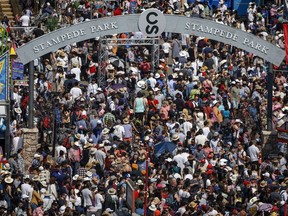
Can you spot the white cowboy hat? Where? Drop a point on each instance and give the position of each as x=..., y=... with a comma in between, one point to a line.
x=253, y=200
x=215, y=102
x=93, y=151
x=86, y=179
x=75, y=177
x=43, y=183
x=99, y=89
x=157, y=76
x=89, y=174
x=8, y=180
x=77, y=144
x=18, y=110
x=139, y=182
x=37, y=155
x=152, y=208
x=35, y=178
x=156, y=89
x=141, y=84
x=6, y=166
x=238, y=121
x=110, y=67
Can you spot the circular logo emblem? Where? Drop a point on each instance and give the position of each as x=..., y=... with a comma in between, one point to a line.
x=152, y=23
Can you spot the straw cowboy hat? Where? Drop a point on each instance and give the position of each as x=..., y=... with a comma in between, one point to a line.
x=105, y=131
x=126, y=121
x=175, y=137
x=8, y=180
x=111, y=191
x=263, y=184
x=49, y=67
x=18, y=110
x=78, y=136
x=60, y=64
x=6, y=167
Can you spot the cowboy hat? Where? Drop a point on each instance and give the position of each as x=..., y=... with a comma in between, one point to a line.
x=238, y=121
x=78, y=136
x=126, y=121
x=75, y=177
x=49, y=67
x=35, y=178
x=18, y=110
x=263, y=184
x=62, y=53
x=175, y=137
x=257, y=87
x=93, y=151
x=157, y=76
x=192, y=204
x=60, y=64
x=111, y=191
x=6, y=167
x=152, y=208
x=215, y=102
x=86, y=179
x=87, y=145
x=89, y=174
x=77, y=144
x=141, y=83
x=43, y=183
x=139, y=182
x=37, y=155
x=110, y=67
x=8, y=180
x=105, y=131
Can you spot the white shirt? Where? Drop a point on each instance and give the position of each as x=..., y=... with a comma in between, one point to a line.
x=25, y=20
x=253, y=153
x=166, y=47
x=180, y=160
x=26, y=190
x=98, y=201
x=61, y=148
x=119, y=131
x=187, y=126
x=77, y=72
x=75, y=92
x=200, y=139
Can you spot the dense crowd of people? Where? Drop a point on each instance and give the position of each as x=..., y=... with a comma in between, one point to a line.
x=186, y=135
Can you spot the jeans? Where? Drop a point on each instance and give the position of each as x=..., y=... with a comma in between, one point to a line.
x=75, y=167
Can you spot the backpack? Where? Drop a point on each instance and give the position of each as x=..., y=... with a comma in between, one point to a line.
x=46, y=122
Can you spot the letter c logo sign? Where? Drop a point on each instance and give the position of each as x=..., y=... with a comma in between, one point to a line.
x=152, y=23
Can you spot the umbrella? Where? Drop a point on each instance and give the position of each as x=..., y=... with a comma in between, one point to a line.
x=163, y=147
x=116, y=62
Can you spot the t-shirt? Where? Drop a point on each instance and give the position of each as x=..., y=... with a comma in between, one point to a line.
x=77, y=72
x=87, y=196
x=75, y=92
x=25, y=20
x=166, y=47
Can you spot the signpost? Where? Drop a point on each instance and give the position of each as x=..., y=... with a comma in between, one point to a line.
x=130, y=195
x=17, y=70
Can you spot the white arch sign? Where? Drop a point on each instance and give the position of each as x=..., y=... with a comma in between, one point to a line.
x=152, y=23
